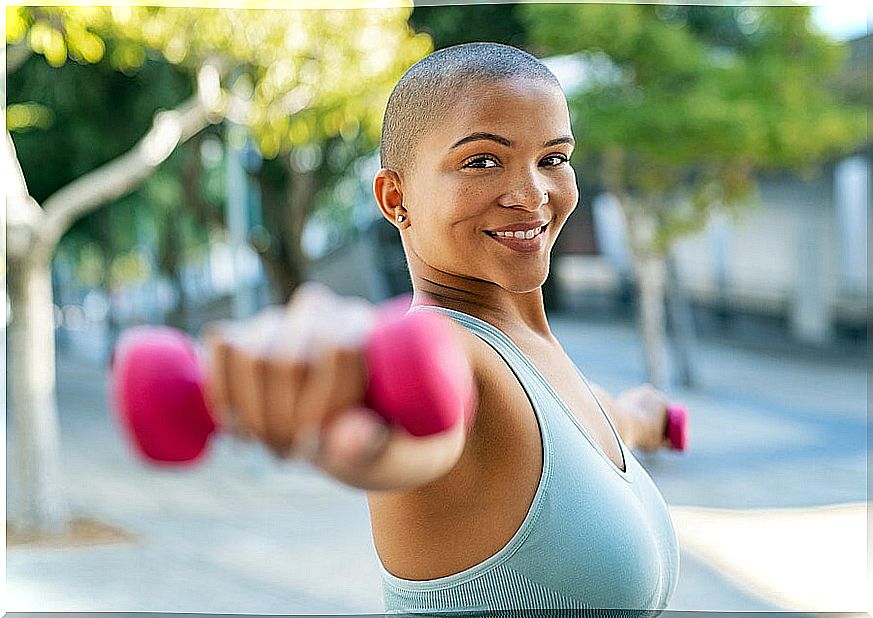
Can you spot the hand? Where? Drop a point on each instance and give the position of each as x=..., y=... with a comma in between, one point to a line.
x=646, y=409
x=294, y=378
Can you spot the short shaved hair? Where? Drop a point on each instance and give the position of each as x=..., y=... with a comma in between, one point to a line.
x=427, y=90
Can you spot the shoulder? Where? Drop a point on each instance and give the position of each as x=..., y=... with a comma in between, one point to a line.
x=492, y=376
x=472, y=511
x=502, y=416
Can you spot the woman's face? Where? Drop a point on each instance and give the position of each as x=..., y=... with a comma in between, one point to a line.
x=491, y=186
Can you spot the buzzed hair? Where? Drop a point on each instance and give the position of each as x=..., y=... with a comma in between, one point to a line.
x=426, y=91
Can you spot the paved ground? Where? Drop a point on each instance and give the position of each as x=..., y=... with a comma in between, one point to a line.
x=773, y=438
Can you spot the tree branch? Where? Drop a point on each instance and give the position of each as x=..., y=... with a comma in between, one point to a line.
x=122, y=175
x=14, y=56
x=22, y=213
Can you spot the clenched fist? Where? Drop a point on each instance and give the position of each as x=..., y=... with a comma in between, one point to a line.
x=289, y=374
x=646, y=409
x=295, y=379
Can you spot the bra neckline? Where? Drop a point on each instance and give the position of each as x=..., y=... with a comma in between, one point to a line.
x=624, y=474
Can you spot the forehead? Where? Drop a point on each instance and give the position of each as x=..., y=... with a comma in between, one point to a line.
x=515, y=108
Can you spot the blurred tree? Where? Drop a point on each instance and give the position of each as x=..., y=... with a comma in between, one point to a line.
x=466, y=23
x=681, y=104
x=294, y=78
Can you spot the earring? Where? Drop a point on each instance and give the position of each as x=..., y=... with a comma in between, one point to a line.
x=400, y=218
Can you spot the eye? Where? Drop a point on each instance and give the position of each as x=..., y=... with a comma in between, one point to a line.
x=481, y=161
x=554, y=160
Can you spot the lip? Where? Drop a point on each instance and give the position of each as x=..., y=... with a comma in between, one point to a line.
x=520, y=227
x=521, y=245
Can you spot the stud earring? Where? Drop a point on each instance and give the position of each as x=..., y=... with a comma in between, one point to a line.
x=400, y=218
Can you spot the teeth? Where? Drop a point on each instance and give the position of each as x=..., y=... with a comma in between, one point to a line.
x=520, y=234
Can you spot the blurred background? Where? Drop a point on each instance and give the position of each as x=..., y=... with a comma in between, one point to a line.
x=175, y=166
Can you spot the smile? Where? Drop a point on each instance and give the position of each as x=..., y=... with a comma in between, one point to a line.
x=531, y=240
x=519, y=234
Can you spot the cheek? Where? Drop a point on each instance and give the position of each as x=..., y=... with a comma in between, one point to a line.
x=569, y=197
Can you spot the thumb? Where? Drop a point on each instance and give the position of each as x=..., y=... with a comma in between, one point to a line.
x=355, y=436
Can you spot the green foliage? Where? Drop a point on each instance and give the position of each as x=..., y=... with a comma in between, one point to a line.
x=683, y=103
x=455, y=24
x=69, y=120
x=307, y=75
x=310, y=85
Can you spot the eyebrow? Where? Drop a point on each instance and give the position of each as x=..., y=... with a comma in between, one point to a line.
x=473, y=137
x=564, y=139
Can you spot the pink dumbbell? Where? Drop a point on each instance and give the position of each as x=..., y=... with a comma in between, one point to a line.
x=676, y=430
x=419, y=378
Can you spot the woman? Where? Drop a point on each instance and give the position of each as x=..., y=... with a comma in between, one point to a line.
x=537, y=503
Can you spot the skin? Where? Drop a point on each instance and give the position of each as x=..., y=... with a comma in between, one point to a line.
x=291, y=381
x=505, y=175
x=501, y=158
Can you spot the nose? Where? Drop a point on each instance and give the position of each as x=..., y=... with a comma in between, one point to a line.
x=528, y=193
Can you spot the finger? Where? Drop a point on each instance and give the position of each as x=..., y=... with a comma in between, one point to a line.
x=656, y=394
x=335, y=381
x=214, y=384
x=355, y=322
x=245, y=377
x=259, y=333
x=355, y=437
x=217, y=382
x=283, y=381
x=311, y=292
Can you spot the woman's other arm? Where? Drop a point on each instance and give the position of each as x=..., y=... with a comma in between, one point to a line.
x=639, y=414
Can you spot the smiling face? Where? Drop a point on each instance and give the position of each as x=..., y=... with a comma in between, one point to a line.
x=490, y=187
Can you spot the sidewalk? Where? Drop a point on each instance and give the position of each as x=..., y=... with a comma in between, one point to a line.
x=244, y=534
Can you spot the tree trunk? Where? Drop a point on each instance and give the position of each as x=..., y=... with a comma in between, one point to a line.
x=287, y=211
x=682, y=325
x=170, y=264
x=301, y=203
x=39, y=505
x=651, y=272
x=32, y=235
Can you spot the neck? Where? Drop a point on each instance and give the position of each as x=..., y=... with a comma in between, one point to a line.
x=518, y=314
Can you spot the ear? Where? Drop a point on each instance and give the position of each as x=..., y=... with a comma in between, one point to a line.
x=387, y=187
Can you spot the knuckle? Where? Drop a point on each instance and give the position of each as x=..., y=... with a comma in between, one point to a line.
x=291, y=368
x=346, y=356
x=260, y=366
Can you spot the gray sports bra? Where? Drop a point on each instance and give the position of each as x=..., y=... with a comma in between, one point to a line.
x=594, y=538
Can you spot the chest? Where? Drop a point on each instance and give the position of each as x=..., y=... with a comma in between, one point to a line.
x=563, y=377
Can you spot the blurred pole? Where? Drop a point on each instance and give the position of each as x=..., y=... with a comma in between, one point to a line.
x=720, y=238
x=237, y=217
x=852, y=199
x=682, y=324
x=810, y=312
x=245, y=297
x=258, y=236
